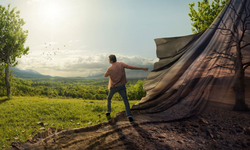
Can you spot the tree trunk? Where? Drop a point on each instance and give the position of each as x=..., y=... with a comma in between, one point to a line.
x=239, y=85
x=239, y=91
x=7, y=80
x=2, y=87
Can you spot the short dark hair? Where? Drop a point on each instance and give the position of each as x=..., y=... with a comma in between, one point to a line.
x=112, y=58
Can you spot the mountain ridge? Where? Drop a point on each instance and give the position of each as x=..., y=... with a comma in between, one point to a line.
x=32, y=74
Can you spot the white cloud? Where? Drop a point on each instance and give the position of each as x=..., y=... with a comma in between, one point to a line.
x=70, y=63
x=76, y=42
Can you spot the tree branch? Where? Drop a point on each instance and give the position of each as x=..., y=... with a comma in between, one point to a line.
x=226, y=66
x=221, y=57
x=231, y=6
x=223, y=29
x=245, y=46
x=244, y=41
x=248, y=8
x=245, y=65
x=226, y=56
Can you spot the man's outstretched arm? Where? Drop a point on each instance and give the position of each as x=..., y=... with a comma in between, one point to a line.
x=139, y=68
x=134, y=67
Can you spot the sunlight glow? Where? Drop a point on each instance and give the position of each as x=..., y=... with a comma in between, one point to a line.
x=52, y=11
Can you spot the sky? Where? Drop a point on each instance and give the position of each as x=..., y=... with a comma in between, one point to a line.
x=73, y=38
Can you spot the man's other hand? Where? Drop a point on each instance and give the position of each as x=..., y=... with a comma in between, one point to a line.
x=145, y=69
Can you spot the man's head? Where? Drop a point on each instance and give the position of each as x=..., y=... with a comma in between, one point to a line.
x=112, y=59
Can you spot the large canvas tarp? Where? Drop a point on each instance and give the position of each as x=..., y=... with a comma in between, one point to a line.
x=196, y=69
x=192, y=71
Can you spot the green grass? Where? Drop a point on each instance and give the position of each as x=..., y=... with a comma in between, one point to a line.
x=20, y=113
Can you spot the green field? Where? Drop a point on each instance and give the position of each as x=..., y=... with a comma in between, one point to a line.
x=19, y=114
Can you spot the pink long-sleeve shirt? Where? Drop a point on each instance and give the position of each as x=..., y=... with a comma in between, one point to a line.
x=116, y=73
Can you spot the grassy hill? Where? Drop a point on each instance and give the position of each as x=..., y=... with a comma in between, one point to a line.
x=19, y=116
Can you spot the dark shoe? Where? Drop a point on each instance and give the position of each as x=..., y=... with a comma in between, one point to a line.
x=131, y=120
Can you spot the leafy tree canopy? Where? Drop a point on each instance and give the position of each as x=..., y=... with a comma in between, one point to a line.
x=12, y=36
x=205, y=15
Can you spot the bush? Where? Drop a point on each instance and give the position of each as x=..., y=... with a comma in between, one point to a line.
x=135, y=92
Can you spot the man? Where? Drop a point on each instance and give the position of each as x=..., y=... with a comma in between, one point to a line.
x=117, y=81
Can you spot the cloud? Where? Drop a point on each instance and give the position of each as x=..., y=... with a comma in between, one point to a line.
x=101, y=61
x=74, y=41
x=79, y=65
x=136, y=60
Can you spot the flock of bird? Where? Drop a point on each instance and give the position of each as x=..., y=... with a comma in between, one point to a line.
x=49, y=54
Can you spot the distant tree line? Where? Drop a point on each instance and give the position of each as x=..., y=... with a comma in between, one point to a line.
x=95, y=89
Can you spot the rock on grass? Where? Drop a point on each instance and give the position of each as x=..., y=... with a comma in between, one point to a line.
x=40, y=123
x=42, y=128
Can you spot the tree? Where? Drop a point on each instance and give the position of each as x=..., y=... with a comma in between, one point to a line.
x=12, y=39
x=135, y=91
x=206, y=14
x=237, y=28
x=1, y=81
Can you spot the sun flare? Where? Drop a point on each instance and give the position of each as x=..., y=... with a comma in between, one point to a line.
x=53, y=10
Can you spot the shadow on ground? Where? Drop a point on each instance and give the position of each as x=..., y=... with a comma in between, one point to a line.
x=4, y=100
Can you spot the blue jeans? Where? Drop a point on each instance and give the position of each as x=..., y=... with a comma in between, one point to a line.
x=122, y=91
